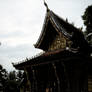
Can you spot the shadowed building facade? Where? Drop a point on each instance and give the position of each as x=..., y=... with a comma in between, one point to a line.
x=65, y=64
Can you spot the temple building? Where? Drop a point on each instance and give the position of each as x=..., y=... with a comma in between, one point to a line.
x=65, y=64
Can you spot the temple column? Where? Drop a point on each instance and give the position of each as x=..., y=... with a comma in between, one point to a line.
x=38, y=85
x=28, y=81
x=57, y=83
x=63, y=83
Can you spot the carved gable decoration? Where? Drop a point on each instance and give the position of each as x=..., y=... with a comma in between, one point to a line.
x=60, y=42
x=57, y=33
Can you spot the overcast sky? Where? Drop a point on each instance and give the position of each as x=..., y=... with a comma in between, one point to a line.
x=21, y=22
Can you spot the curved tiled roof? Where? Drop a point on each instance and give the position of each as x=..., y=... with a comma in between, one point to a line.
x=60, y=26
x=45, y=58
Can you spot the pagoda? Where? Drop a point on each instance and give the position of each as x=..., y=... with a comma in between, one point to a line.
x=65, y=64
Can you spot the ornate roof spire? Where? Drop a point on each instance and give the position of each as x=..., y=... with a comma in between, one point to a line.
x=46, y=5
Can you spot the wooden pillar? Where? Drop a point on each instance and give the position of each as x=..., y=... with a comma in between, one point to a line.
x=38, y=84
x=57, y=83
x=66, y=79
x=34, y=85
x=28, y=80
x=63, y=82
x=33, y=81
x=78, y=76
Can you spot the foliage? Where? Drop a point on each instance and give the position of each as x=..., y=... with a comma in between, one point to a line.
x=3, y=76
x=11, y=86
x=12, y=75
x=19, y=76
x=9, y=82
x=87, y=17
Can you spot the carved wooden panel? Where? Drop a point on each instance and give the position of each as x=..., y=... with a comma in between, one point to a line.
x=90, y=83
x=60, y=42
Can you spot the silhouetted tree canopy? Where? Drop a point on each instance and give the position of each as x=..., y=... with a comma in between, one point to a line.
x=3, y=75
x=14, y=79
x=9, y=82
x=12, y=75
x=20, y=75
x=87, y=17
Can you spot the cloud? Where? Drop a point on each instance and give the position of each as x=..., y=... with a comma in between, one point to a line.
x=21, y=23
x=9, y=54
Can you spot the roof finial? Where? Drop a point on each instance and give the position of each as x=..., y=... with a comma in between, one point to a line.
x=46, y=5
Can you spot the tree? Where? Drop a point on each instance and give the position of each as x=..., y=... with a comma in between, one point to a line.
x=3, y=76
x=11, y=83
x=12, y=75
x=87, y=17
x=11, y=86
x=19, y=76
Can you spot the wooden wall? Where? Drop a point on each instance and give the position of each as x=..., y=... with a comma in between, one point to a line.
x=69, y=76
x=90, y=83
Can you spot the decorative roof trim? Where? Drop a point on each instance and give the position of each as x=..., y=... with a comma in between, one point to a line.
x=56, y=23
x=46, y=5
x=60, y=29
x=48, y=57
x=40, y=39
